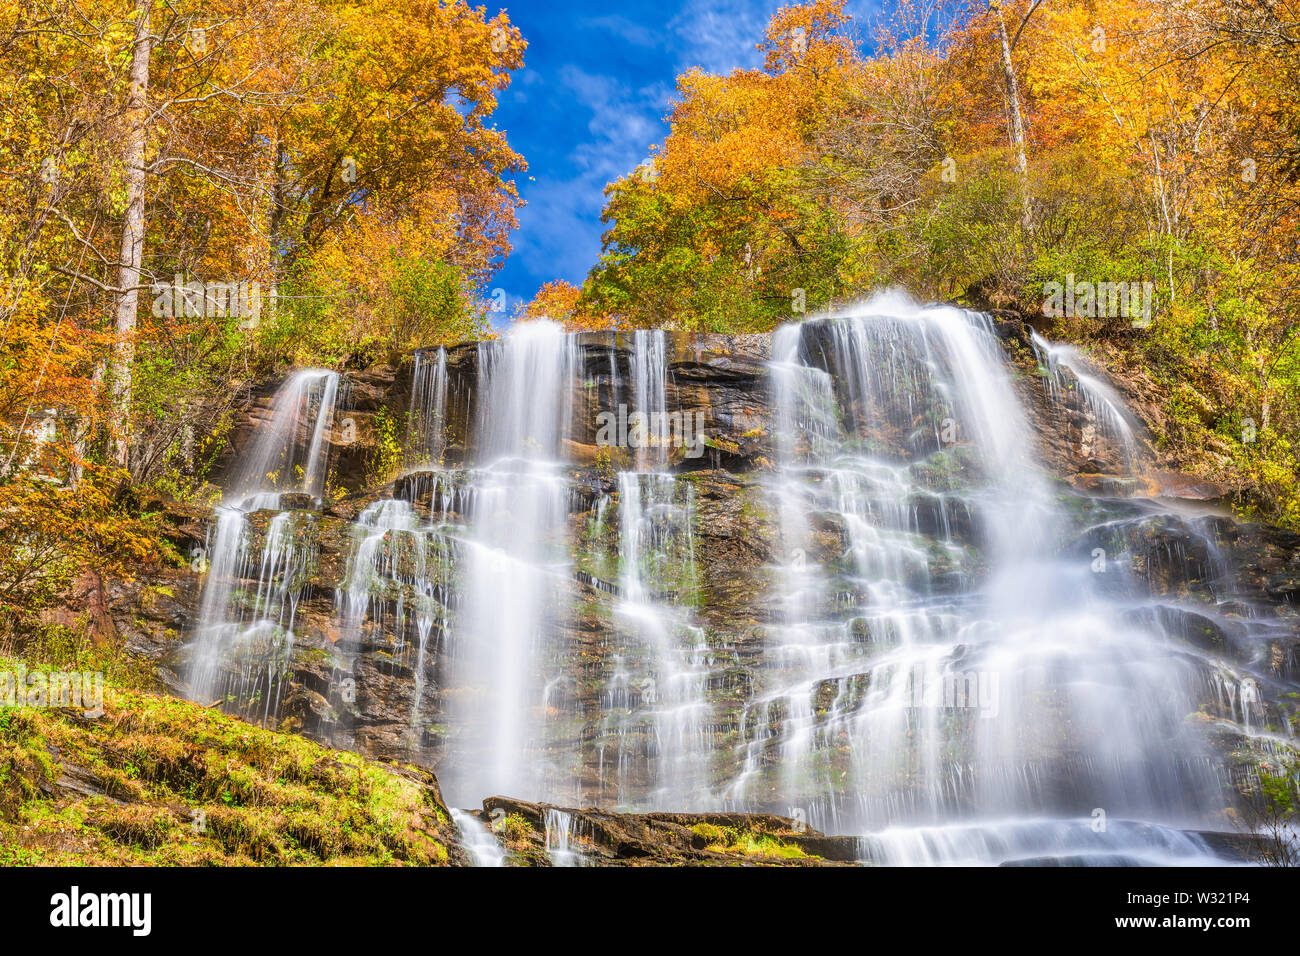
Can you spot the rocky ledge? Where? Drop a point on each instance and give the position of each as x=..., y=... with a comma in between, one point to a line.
x=537, y=834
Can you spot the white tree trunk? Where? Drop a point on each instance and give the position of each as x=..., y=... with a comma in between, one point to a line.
x=133, y=227
x=1017, y=119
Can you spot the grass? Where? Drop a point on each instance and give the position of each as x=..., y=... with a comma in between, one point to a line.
x=167, y=782
x=746, y=842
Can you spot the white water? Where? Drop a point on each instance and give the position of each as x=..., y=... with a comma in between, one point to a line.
x=671, y=711
x=561, y=832
x=398, y=569
x=479, y=840
x=289, y=454
x=426, y=436
x=1010, y=685
x=659, y=710
x=290, y=450
x=951, y=670
x=1067, y=369
x=1083, y=841
x=505, y=645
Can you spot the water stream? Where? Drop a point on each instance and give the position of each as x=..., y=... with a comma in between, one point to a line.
x=255, y=631
x=956, y=657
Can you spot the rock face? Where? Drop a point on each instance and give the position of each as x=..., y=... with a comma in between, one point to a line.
x=720, y=378
x=372, y=676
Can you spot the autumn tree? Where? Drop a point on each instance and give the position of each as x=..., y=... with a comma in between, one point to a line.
x=975, y=152
x=404, y=106
x=221, y=145
x=714, y=232
x=561, y=302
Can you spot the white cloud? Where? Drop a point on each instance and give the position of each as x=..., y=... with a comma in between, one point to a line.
x=723, y=35
x=623, y=123
x=720, y=35
x=560, y=227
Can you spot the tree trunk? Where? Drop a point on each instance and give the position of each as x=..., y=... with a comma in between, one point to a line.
x=279, y=207
x=133, y=226
x=1017, y=120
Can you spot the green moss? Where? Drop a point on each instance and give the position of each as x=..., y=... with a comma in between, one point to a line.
x=181, y=784
x=516, y=828
x=709, y=833
x=747, y=842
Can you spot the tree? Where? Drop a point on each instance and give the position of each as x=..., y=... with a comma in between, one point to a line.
x=1013, y=100
x=215, y=146
x=561, y=302
x=714, y=233
x=133, y=225
x=403, y=106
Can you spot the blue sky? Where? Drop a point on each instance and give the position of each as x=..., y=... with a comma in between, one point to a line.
x=598, y=80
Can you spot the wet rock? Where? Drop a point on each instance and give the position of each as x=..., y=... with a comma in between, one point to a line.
x=1169, y=484
x=543, y=835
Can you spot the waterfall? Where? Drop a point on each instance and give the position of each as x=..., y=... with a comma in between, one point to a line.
x=656, y=553
x=658, y=711
x=506, y=643
x=649, y=390
x=968, y=672
x=1078, y=842
x=397, y=581
x=1066, y=371
x=482, y=844
x=289, y=455
x=290, y=450
x=951, y=654
x=398, y=585
x=426, y=437
x=561, y=832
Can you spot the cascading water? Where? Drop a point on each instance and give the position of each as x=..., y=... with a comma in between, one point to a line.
x=655, y=752
x=506, y=641
x=1066, y=370
x=649, y=362
x=426, y=436
x=657, y=558
x=558, y=827
x=289, y=456
x=945, y=659
x=956, y=656
x=397, y=582
x=479, y=841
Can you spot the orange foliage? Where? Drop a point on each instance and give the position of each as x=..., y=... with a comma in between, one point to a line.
x=558, y=301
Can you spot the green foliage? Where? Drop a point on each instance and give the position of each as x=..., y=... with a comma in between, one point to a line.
x=327, y=318
x=386, y=458
x=746, y=842
x=715, y=266
x=61, y=648
x=185, y=785
x=516, y=828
